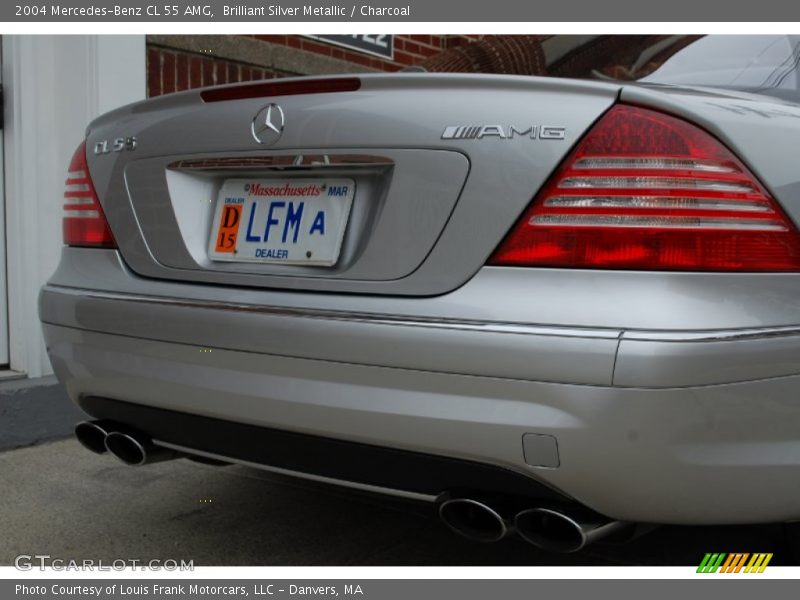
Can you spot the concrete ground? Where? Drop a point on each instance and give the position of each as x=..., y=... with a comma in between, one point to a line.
x=58, y=499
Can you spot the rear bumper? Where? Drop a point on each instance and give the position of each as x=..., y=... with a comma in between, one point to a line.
x=611, y=357
x=681, y=427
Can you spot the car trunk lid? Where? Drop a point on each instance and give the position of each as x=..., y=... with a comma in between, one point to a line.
x=437, y=167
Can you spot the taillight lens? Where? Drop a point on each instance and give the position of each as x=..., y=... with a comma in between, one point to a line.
x=84, y=221
x=645, y=190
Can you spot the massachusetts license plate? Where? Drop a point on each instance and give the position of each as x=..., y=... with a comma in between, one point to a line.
x=282, y=221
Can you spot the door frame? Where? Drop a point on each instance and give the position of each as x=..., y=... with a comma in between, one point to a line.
x=4, y=319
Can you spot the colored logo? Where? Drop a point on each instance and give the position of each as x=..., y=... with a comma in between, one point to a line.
x=739, y=562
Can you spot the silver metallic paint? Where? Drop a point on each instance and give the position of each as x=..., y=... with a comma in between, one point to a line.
x=672, y=396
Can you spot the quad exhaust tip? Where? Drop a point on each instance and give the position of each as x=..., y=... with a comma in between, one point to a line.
x=550, y=529
x=130, y=447
x=126, y=448
x=557, y=531
x=473, y=520
x=92, y=435
x=136, y=450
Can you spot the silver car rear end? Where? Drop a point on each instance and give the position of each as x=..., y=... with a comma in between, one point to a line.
x=641, y=396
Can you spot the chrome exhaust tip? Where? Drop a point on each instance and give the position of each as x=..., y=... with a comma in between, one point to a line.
x=135, y=450
x=556, y=531
x=92, y=435
x=473, y=520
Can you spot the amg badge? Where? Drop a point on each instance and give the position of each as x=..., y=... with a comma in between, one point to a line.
x=478, y=132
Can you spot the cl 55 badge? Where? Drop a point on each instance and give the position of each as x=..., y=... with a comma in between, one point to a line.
x=115, y=145
x=478, y=132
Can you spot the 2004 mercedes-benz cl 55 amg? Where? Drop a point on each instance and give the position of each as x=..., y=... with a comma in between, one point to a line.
x=557, y=304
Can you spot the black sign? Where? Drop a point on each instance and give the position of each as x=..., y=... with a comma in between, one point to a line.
x=378, y=45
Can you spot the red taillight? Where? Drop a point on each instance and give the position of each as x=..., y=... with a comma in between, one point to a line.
x=281, y=88
x=645, y=190
x=84, y=221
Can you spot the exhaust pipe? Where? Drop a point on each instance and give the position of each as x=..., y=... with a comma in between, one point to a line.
x=135, y=449
x=474, y=520
x=92, y=435
x=556, y=531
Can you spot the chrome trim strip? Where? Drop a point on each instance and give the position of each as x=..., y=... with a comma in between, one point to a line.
x=654, y=163
x=318, y=478
x=352, y=317
x=81, y=214
x=284, y=161
x=664, y=222
x=711, y=336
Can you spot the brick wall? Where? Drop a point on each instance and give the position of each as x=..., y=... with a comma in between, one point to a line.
x=171, y=70
x=174, y=69
x=408, y=49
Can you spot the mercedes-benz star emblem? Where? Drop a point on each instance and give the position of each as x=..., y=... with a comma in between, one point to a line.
x=267, y=125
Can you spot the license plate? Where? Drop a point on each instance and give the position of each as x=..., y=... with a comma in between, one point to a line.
x=282, y=221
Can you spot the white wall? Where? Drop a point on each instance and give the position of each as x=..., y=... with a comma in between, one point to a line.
x=54, y=85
